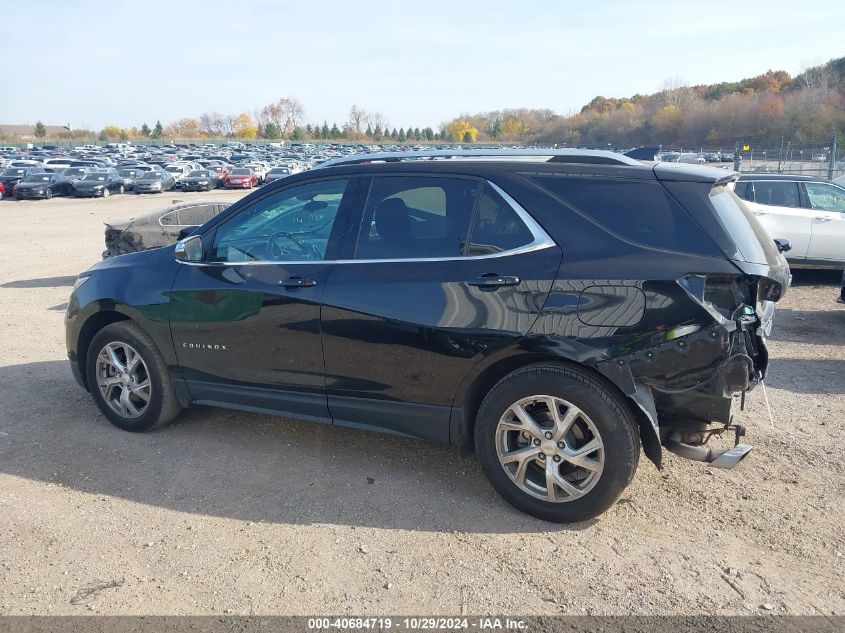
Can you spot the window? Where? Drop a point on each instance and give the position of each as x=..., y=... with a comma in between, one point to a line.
x=496, y=226
x=414, y=217
x=744, y=190
x=636, y=210
x=825, y=197
x=777, y=193
x=287, y=226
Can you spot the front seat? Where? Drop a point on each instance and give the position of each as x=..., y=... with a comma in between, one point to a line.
x=393, y=225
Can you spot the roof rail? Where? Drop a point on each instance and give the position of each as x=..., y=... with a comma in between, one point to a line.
x=583, y=156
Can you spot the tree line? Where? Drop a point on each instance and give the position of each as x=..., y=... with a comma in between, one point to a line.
x=762, y=110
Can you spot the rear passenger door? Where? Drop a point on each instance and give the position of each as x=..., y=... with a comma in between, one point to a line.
x=777, y=203
x=827, y=215
x=436, y=273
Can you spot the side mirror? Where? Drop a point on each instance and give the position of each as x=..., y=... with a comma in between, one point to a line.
x=783, y=245
x=189, y=249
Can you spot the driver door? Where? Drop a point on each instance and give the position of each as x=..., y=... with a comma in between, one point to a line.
x=246, y=320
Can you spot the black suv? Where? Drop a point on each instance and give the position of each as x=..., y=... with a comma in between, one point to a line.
x=552, y=310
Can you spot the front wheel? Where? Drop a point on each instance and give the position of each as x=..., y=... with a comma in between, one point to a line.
x=106, y=193
x=556, y=443
x=129, y=379
x=121, y=190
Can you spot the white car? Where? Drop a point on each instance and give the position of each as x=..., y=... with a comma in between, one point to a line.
x=807, y=211
x=178, y=171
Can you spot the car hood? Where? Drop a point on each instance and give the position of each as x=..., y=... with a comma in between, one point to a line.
x=89, y=184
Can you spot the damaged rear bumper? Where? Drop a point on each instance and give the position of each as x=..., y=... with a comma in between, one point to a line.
x=685, y=384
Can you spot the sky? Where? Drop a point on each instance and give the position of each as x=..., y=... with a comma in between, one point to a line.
x=91, y=63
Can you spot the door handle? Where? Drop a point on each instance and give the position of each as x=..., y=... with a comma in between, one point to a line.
x=297, y=282
x=493, y=280
x=822, y=218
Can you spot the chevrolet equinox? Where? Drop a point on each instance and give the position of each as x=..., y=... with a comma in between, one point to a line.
x=555, y=311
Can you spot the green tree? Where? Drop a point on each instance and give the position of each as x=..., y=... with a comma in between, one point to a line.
x=377, y=133
x=369, y=131
x=103, y=136
x=271, y=130
x=123, y=136
x=158, y=130
x=324, y=131
x=308, y=130
x=401, y=136
x=145, y=130
x=429, y=134
x=335, y=131
x=298, y=134
x=394, y=134
x=417, y=134
x=468, y=137
x=40, y=130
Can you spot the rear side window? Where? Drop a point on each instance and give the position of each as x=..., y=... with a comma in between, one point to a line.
x=641, y=212
x=496, y=226
x=416, y=217
x=776, y=193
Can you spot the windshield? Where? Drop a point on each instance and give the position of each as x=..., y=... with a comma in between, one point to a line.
x=90, y=177
x=14, y=172
x=241, y=172
x=280, y=170
x=128, y=173
x=151, y=175
x=173, y=169
x=37, y=178
x=200, y=174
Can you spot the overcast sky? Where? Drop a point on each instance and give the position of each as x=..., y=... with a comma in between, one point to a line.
x=91, y=62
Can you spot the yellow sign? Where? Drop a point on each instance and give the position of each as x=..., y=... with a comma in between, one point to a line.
x=745, y=148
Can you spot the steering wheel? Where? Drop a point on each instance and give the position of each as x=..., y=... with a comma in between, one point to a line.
x=307, y=251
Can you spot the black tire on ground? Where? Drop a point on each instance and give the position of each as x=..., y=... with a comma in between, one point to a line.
x=163, y=406
x=609, y=413
x=121, y=190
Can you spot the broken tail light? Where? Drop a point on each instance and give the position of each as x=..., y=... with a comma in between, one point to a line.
x=725, y=297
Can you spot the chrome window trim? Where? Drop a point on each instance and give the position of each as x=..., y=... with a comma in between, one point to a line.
x=540, y=242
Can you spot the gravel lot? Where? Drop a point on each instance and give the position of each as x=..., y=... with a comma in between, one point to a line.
x=227, y=512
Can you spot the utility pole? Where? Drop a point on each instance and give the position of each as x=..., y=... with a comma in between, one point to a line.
x=780, y=156
x=832, y=163
x=737, y=157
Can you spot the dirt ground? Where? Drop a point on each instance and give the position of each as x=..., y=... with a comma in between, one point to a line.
x=227, y=512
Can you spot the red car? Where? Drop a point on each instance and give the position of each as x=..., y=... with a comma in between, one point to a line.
x=2, y=190
x=241, y=178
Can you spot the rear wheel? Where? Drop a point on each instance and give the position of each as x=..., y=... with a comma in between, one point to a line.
x=129, y=379
x=556, y=443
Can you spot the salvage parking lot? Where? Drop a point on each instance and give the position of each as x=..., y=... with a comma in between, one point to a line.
x=228, y=512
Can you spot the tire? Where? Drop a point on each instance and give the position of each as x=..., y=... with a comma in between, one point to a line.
x=121, y=190
x=584, y=491
x=161, y=407
x=49, y=193
x=106, y=192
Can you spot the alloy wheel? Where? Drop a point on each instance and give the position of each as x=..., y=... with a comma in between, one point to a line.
x=123, y=379
x=549, y=448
